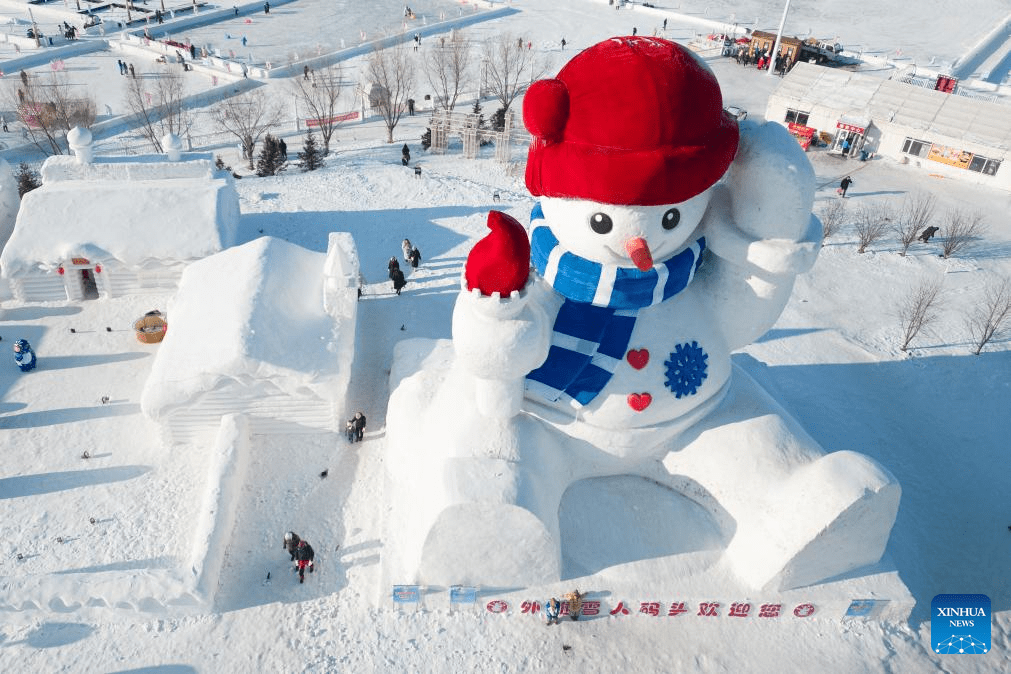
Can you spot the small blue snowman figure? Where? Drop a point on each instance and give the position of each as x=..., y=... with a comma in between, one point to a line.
x=23, y=355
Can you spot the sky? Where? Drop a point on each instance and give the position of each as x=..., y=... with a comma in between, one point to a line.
x=934, y=416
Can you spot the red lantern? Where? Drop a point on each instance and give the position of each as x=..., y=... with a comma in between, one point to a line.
x=60, y=271
x=98, y=269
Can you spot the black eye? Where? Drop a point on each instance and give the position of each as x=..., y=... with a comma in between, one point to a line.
x=671, y=218
x=601, y=223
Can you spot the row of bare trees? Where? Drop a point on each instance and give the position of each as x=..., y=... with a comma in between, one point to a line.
x=912, y=221
x=987, y=319
x=451, y=67
x=49, y=106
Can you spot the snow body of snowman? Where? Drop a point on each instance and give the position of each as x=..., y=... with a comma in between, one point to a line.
x=613, y=355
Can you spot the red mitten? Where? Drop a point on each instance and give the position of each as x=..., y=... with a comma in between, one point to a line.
x=500, y=262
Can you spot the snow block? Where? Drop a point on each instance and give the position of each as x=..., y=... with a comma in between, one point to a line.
x=226, y=474
x=489, y=544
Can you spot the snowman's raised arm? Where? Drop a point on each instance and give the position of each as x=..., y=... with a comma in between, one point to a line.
x=760, y=229
x=771, y=191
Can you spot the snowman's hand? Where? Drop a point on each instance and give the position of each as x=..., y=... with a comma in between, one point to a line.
x=501, y=338
x=774, y=256
x=771, y=184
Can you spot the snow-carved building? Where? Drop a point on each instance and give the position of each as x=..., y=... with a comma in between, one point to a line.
x=265, y=329
x=113, y=226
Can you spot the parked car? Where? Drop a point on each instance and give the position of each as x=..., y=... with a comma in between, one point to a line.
x=740, y=114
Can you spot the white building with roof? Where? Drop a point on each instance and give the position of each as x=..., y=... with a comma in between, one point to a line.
x=957, y=136
x=265, y=329
x=112, y=226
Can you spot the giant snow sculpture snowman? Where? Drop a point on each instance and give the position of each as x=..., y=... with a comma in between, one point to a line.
x=665, y=237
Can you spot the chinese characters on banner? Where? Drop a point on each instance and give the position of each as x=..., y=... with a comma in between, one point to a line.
x=706, y=609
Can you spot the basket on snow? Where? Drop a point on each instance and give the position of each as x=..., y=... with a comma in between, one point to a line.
x=150, y=328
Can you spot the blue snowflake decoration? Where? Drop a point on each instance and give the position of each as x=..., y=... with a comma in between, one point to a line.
x=686, y=369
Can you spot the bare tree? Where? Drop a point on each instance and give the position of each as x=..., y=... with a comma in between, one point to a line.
x=871, y=224
x=509, y=67
x=247, y=117
x=916, y=214
x=157, y=104
x=832, y=215
x=989, y=320
x=960, y=228
x=919, y=309
x=447, y=66
x=391, y=75
x=49, y=107
x=319, y=91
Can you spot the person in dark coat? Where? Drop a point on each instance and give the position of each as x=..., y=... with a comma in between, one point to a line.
x=291, y=541
x=304, y=555
x=398, y=279
x=393, y=265
x=844, y=185
x=414, y=257
x=349, y=430
x=283, y=147
x=359, y=426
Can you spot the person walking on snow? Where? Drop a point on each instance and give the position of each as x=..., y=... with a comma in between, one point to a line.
x=844, y=185
x=552, y=608
x=304, y=555
x=406, y=246
x=283, y=147
x=575, y=599
x=398, y=279
x=359, y=426
x=392, y=266
x=414, y=257
x=291, y=541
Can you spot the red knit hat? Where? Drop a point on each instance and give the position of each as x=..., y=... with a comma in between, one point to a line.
x=629, y=121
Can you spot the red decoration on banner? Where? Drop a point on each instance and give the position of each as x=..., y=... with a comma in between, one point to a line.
x=739, y=610
x=769, y=610
x=591, y=607
x=620, y=609
x=98, y=269
x=676, y=609
x=530, y=607
x=804, y=610
x=650, y=608
x=60, y=271
x=709, y=609
x=497, y=606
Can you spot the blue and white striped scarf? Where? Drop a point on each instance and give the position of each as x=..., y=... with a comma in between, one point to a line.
x=594, y=324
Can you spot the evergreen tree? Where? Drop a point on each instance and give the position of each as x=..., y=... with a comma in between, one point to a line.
x=270, y=162
x=426, y=139
x=480, y=117
x=481, y=123
x=28, y=179
x=310, y=158
x=498, y=120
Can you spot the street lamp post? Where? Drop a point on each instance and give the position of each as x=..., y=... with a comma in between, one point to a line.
x=779, y=36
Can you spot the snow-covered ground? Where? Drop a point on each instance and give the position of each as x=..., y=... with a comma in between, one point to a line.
x=935, y=416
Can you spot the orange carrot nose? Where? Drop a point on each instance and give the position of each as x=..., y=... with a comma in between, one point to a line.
x=638, y=250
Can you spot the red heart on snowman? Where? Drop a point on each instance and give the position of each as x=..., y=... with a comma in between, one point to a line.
x=639, y=401
x=637, y=358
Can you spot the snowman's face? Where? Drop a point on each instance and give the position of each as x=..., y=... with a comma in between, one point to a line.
x=627, y=236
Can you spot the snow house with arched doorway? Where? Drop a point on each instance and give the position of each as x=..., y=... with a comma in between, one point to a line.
x=113, y=226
